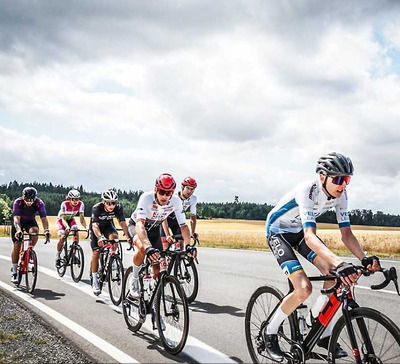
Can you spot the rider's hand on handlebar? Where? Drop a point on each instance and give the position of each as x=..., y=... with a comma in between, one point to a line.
x=19, y=235
x=192, y=251
x=195, y=236
x=371, y=263
x=169, y=239
x=47, y=234
x=152, y=254
x=100, y=240
x=347, y=273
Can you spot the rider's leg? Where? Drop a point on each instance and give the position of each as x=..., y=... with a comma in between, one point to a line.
x=34, y=239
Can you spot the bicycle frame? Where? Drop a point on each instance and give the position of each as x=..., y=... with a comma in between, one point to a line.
x=74, y=243
x=105, y=254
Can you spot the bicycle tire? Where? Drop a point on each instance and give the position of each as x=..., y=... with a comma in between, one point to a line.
x=366, y=316
x=31, y=271
x=119, y=250
x=63, y=260
x=129, y=309
x=186, y=271
x=257, y=314
x=115, y=279
x=173, y=336
x=77, y=263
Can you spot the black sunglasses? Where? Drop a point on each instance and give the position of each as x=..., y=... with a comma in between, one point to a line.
x=111, y=203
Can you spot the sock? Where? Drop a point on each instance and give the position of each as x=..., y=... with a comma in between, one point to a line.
x=94, y=276
x=277, y=319
x=136, y=269
x=58, y=256
x=14, y=268
x=328, y=330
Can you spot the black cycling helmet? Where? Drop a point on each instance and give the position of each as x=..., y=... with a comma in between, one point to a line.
x=29, y=193
x=335, y=164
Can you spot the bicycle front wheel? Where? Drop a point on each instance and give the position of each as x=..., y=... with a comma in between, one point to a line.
x=31, y=271
x=63, y=260
x=378, y=338
x=260, y=309
x=115, y=279
x=77, y=263
x=186, y=272
x=172, y=315
x=119, y=250
x=131, y=308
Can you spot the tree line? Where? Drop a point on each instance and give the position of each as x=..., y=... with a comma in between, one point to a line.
x=53, y=195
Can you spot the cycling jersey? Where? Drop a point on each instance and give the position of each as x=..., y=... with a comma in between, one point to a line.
x=105, y=218
x=154, y=214
x=189, y=202
x=68, y=211
x=28, y=213
x=299, y=208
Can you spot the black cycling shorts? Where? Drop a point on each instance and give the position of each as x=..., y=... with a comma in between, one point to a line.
x=282, y=246
x=154, y=234
x=25, y=226
x=106, y=231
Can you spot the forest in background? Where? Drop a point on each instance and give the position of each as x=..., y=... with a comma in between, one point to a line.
x=53, y=195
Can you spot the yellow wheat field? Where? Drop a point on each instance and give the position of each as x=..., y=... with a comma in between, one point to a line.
x=246, y=234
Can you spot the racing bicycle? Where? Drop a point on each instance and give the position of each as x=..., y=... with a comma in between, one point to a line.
x=367, y=335
x=28, y=264
x=72, y=256
x=162, y=296
x=111, y=270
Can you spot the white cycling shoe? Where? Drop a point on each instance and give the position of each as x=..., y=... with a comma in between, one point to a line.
x=96, y=287
x=134, y=291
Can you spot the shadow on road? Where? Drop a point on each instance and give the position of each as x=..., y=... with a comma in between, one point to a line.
x=47, y=294
x=155, y=344
x=212, y=308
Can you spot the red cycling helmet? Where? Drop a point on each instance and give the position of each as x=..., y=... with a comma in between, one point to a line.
x=165, y=182
x=190, y=182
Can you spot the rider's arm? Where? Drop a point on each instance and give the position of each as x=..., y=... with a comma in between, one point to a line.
x=193, y=220
x=124, y=228
x=96, y=229
x=185, y=234
x=166, y=228
x=45, y=223
x=315, y=244
x=83, y=221
x=351, y=242
x=17, y=223
x=142, y=233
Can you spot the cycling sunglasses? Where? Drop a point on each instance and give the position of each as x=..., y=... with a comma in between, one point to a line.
x=338, y=180
x=30, y=199
x=165, y=193
x=75, y=199
x=110, y=203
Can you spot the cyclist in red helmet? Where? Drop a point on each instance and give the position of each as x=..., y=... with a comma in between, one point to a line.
x=189, y=200
x=145, y=224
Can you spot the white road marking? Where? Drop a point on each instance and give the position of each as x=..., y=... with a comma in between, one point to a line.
x=101, y=344
x=194, y=348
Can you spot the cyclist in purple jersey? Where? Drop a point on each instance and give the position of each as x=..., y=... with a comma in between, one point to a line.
x=25, y=209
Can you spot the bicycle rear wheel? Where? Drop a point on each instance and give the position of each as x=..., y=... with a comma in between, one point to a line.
x=63, y=260
x=172, y=315
x=31, y=271
x=115, y=279
x=378, y=337
x=186, y=272
x=130, y=308
x=77, y=263
x=260, y=310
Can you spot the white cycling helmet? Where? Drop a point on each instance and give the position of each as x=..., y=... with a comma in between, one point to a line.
x=109, y=194
x=73, y=194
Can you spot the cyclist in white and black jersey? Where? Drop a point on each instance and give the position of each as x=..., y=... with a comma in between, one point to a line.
x=145, y=224
x=292, y=225
x=189, y=201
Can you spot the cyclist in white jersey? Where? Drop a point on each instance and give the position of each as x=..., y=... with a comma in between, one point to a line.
x=292, y=224
x=189, y=202
x=145, y=224
x=69, y=209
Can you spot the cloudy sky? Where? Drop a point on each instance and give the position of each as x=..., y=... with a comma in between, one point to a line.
x=242, y=95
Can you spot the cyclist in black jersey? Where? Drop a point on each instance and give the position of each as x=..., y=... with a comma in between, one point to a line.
x=102, y=227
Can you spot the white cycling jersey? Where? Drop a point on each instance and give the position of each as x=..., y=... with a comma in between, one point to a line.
x=189, y=202
x=148, y=209
x=299, y=208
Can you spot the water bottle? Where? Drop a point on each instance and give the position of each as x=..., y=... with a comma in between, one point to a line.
x=301, y=315
x=318, y=306
x=146, y=285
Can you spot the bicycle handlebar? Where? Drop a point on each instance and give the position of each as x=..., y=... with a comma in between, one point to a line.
x=390, y=275
x=75, y=231
x=33, y=234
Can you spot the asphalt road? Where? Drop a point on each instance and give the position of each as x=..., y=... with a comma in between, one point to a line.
x=227, y=280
